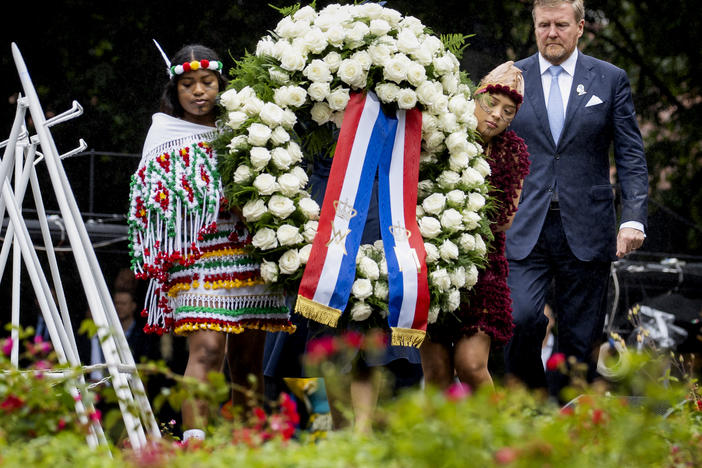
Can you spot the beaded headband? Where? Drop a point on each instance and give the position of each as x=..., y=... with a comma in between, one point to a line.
x=193, y=65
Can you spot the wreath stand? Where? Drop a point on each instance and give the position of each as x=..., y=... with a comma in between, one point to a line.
x=21, y=154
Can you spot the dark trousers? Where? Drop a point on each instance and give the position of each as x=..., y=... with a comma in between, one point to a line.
x=580, y=294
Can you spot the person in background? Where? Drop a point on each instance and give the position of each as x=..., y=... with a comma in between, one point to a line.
x=576, y=108
x=459, y=344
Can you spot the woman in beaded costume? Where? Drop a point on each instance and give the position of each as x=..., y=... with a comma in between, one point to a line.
x=458, y=345
x=186, y=241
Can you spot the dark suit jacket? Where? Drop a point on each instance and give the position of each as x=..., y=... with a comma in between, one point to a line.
x=580, y=163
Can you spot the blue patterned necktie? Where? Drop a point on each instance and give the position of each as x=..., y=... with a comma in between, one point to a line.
x=555, y=104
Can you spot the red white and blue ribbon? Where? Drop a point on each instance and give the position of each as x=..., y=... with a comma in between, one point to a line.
x=370, y=141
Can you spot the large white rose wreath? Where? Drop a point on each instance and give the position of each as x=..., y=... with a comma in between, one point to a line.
x=283, y=105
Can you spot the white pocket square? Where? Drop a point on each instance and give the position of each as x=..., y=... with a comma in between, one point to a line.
x=594, y=100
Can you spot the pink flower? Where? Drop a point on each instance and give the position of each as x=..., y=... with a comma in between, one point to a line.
x=11, y=403
x=353, y=339
x=555, y=361
x=457, y=391
x=96, y=415
x=505, y=455
x=61, y=424
x=7, y=346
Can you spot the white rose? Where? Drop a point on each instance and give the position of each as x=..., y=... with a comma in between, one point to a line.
x=482, y=166
x=271, y=114
x=471, y=276
x=279, y=136
x=306, y=13
x=432, y=44
x=458, y=161
x=471, y=177
x=419, y=211
x=321, y=113
x=278, y=76
x=379, y=27
x=286, y=27
x=413, y=24
x=475, y=201
x=269, y=271
x=252, y=106
x=265, y=239
x=356, y=34
x=434, y=141
x=296, y=96
x=387, y=92
x=453, y=300
x=473, y=149
x=379, y=53
x=434, y=203
x=407, y=41
x=351, y=72
x=430, y=227
x=450, y=83
x=443, y=65
x=363, y=58
x=427, y=94
x=259, y=134
x=299, y=173
x=259, y=157
x=381, y=290
x=426, y=158
x=318, y=71
x=432, y=252
x=336, y=35
x=242, y=174
x=458, y=277
x=289, y=262
x=383, y=268
x=416, y=74
x=406, y=99
x=458, y=104
x=338, y=99
x=238, y=142
x=319, y=91
x=433, y=313
x=265, y=46
x=466, y=242
x=480, y=246
x=265, y=184
x=314, y=40
x=448, y=180
x=448, y=122
x=360, y=311
x=292, y=60
x=333, y=59
x=253, y=210
x=471, y=219
x=368, y=268
x=309, y=208
x=294, y=151
x=280, y=206
x=448, y=250
x=229, y=100
x=456, y=198
x=440, y=104
x=429, y=122
x=362, y=288
x=289, y=184
x=281, y=158
x=457, y=142
x=422, y=56
x=451, y=220
x=236, y=119
x=395, y=69
x=288, y=235
x=309, y=230
x=441, y=279
x=305, y=253
x=289, y=119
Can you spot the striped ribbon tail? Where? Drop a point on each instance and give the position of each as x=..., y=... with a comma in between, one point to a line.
x=326, y=283
x=408, y=299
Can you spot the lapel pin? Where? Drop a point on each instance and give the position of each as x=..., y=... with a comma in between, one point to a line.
x=581, y=90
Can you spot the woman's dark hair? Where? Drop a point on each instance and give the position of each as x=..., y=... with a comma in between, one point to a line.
x=169, y=99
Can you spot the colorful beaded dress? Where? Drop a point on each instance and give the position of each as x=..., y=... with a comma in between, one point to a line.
x=190, y=248
x=489, y=305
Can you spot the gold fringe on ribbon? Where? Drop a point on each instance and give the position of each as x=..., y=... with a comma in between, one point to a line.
x=407, y=337
x=317, y=312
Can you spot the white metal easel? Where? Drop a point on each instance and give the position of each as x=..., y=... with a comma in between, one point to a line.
x=21, y=154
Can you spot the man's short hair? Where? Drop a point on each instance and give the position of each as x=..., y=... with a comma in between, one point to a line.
x=578, y=7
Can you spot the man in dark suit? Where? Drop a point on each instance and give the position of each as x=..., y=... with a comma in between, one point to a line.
x=575, y=109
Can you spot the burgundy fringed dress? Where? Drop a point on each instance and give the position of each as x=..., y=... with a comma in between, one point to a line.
x=490, y=306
